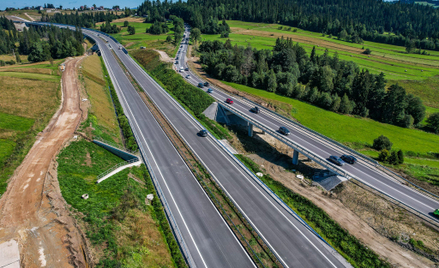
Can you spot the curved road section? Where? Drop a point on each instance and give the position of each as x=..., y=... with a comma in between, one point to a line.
x=293, y=242
x=364, y=170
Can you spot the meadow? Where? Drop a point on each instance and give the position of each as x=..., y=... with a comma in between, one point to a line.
x=29, y=96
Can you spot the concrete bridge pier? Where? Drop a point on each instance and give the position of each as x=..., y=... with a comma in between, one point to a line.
x=296, y=157
x=250, y=129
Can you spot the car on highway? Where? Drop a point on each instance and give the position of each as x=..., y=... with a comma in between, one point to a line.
x=349, y=159
x=229, y=101
x=181, y=46
x=187, y=69
x=200, y=85
x=188, y=76
x=255, y=110
x=209, y=90
x=176, y=62
x=436, y=213
x=176, y=58
x=206, y=84
x=336, y=160
x=203, y=133
x=284, y=130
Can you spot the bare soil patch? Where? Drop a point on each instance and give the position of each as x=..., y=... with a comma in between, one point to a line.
x=164, y=56
x=32, y=211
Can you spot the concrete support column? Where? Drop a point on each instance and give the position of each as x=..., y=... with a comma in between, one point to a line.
x=250, y=130
x=295, y=157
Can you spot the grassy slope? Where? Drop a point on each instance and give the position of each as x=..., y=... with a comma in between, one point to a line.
x=101, y=114
x=26, y=106
x=418, y=73
x=341, y=127
x=120, y=222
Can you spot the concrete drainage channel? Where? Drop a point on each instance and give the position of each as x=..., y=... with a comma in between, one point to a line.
x=247, y=236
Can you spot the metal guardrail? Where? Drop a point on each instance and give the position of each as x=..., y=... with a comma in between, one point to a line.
x=171, y=220
x=108, y=171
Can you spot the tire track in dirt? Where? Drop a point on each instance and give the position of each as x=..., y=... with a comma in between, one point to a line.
x=32, y=211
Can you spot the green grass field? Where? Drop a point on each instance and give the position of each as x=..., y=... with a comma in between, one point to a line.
x=6, y=148
x=348, y=129
x=13, y=122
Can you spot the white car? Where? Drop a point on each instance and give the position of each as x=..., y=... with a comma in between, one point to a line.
x=188, y=76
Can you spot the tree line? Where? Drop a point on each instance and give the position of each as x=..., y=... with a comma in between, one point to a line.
x=8, y=36
x=87, y=20
x=43, y=43
x=323, y=80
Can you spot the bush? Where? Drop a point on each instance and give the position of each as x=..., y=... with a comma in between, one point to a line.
x=367, y=51
x=382, y=142
x=384, y=154
x=400, y=157
x=433, y=122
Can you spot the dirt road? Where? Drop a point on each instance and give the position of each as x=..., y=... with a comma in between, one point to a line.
x=32, y=211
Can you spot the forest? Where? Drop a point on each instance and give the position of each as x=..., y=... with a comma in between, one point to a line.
x=404, y=24
x=325, y=80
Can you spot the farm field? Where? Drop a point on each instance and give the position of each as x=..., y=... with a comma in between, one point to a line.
x=418, y=73
x=29, y=96
x=141, y=38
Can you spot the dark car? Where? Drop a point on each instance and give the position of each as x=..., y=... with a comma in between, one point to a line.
x=176, y=62
x=206, y=84
x=200, y=85
x=229, y=101
x=336, y=160
x=284, y=130
x=254, y=110
x=187, y=69
x=203, y=133
x=176, y=58
x=349, y=159
x=436, y=213
x=209, y=90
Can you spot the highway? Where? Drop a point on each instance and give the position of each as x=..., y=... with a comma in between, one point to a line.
x=208, y=238
x=364, y=170
x=293, y=242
